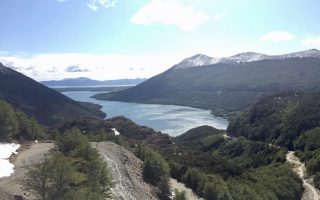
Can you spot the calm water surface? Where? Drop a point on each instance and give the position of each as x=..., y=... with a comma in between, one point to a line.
x=170, y=119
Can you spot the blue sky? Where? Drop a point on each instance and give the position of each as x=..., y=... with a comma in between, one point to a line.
x=112, y=39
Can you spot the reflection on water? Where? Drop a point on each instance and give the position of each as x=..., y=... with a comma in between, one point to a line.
x=170, y=119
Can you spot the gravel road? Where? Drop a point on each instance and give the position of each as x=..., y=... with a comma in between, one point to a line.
x=310, y=193
x=126, y=170
x=181, y=187
x=14, y=185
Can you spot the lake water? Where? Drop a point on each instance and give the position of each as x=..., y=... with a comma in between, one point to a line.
x=170, y=119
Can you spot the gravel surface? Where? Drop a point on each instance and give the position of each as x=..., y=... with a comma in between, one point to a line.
x=181, y=187
x=126, y=170
x=310, y=192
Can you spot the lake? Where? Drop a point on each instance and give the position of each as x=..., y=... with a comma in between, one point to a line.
x=170, y=119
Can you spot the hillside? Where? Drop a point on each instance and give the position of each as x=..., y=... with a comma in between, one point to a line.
x=279, y=119
x=201, y=138
x=228, y=84
x=291, y=120
x=235, y=168
x=46, y=105
x=82, y=81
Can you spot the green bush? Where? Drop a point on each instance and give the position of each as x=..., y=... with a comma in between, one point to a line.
x=156, y=170
x=179, y=195
x=316, y=180
x=8, y=122
x=309, y=140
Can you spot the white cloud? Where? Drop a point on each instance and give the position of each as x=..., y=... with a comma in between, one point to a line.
x=277, y=36
x=311, y=42
x=102, y=67
x=108, y=3
x=95, y=4
x=169, y=12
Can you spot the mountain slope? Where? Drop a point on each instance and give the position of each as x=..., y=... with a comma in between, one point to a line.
x=279, y=119
x=46, y=105
x=227, y=86
x=89, y=82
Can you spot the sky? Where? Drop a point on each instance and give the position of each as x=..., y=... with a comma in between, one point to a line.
x=113, y=39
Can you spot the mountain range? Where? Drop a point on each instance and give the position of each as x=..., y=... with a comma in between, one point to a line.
x=36, y=100
x=246, y=57
x=82, y=81
x=226, y=84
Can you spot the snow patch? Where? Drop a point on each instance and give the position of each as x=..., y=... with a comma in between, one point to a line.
x=6, y=150
x=115, y=131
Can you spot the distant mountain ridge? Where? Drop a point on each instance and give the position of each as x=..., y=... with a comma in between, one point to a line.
x=202, y=60
x=230, y=84
x=46, y=105
x=82, y=81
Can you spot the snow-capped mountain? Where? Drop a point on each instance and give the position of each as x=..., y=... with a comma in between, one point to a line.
x=311, y=53
x=196, y=60
x=202, y=60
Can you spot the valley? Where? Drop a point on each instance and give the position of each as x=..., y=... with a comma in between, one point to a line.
x=159, y=100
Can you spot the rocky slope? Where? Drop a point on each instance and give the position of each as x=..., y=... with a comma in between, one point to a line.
x=126, y=172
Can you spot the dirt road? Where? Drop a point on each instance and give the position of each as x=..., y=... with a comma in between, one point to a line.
x=14, y=185
x=126, y=172
x=310, y=193
x=181, y=187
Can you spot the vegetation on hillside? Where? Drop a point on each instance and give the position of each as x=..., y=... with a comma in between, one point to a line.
x=179, y=195
x=229, y=169
x=156, y=170
x=15, y=125
x=44, y=104
x=73, y=171
x=291, y=120
x=202, y=138
x=279, y=119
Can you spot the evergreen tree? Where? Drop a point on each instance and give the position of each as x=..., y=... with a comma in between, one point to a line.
x=8, y=121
